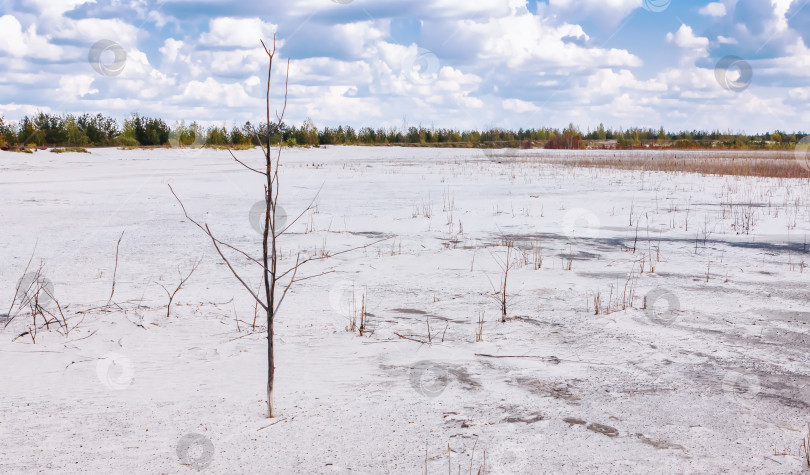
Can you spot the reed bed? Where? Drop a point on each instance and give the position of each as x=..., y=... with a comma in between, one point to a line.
x=774, y=164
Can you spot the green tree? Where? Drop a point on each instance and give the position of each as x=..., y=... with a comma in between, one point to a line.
x=128, y=137
x=309, y=133
x=76, y=137
x=662, y=135
x=600, y=132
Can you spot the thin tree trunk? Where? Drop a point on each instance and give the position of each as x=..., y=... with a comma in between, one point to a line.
x=269, y=234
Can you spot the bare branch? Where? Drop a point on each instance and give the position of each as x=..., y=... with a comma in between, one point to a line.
x=292, y=280
x=245, y=165
x=314, y=276
x=203, y=228
x=312, y=259
x=235, y=274
x=16, y=289
x=115, y=271
x=302, y=212
x=286, y=88
x=179, y=286
x=216, y=242
x=412, y=339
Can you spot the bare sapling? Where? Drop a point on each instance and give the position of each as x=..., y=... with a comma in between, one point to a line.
x=596, y=303
x=353, y=314
x=172, y=294
x=31, y=296
x=115, y=271
x=430, y=337
x=538, y=257
x=479, y=333
x=363, y=315
x=629, y=291
x=277, y=283
x=501, y=296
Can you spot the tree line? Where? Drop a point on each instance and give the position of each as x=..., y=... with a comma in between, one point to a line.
x=68, y=130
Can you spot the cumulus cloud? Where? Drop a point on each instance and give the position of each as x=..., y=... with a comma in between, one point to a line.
x=75, y=86
x=605, y=12
x=211, y=92
x=713, y=9
x=507, y=63
x=16, y=42
x=239, y=32
x=53, y=8
x=90, y=30
x=685, y=38
x=694, y=47
x=519, y=106
x=529, y=40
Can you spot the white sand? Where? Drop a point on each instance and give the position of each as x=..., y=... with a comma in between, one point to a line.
x=717, y=384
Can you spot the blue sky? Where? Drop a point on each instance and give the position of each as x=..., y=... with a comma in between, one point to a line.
x=446, y=63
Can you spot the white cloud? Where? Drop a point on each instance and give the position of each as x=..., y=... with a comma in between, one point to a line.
x=605, y=12
x=686, y=39
x=15, y=42
x=336, y=103
x=358, y=37
x=608, y=83
x=495, y=63
x=332, y=71
x=239, y=32
x=90, y=30
x=20, y=110
x=519, y=106
x=171, y=49
x=715, y=9
x=215, y=93
x=799, y=93
x=627, y=108
x=530, y=41
x=55, y=8
x=75, y=86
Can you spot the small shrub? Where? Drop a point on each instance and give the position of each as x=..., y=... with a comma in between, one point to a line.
x=126, y=141
x=241, y=146
x=18, y=149
x=69, y=150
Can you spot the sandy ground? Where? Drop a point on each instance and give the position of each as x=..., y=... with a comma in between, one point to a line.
x=712, y=377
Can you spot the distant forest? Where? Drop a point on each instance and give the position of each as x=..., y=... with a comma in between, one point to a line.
x=49, y=130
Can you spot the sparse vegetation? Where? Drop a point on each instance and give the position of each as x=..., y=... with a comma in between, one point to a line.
x=774, y=164
x=32, y=296
x=69, y=150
